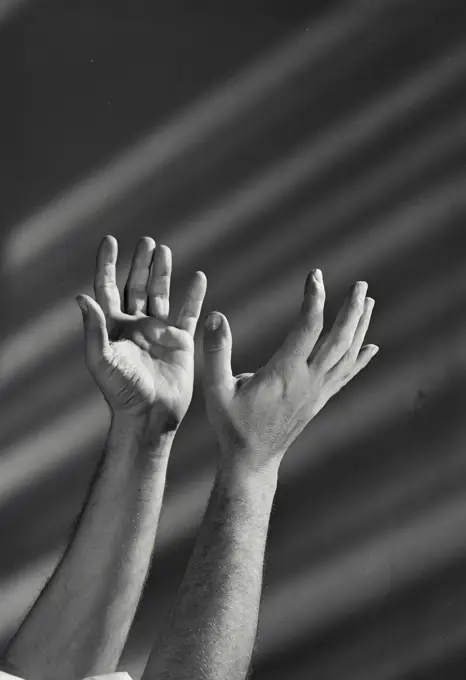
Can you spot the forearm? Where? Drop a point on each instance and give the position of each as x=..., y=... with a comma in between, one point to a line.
x=212, y=629
x=79, y=623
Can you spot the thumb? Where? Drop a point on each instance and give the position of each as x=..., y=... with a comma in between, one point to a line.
x=95, y=328
x=217, y=350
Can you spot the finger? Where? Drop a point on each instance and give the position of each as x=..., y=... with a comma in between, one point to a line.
x=189, y=314
x=302, y=339
x=95, y=329
x=346, y=362
x=316, y=348
x=105, y=288
x=342, y=333
x=138, y=277
x=217, y=344
x=159, y=284
x=365, y=355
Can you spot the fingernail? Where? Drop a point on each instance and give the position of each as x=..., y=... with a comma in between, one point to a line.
x=317, y=275
x=82, y=304
x=375, y=349
x=359, y=287
x=213, y=321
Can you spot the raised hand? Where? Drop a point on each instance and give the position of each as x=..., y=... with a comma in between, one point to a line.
x=257, y=416
x=141, y=361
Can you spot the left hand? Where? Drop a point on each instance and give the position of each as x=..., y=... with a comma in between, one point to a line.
x=257, y=416
x=141, y=362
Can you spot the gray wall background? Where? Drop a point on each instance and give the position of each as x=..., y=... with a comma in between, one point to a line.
x=258, y=140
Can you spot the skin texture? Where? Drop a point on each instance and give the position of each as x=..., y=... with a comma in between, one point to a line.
x=143, y=365
x=211, y=632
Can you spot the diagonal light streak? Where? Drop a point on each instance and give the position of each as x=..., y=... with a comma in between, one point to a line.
x=37, y=455
x=20, y=589
x=412, y=554
x=403, y=316
x=57, y=325
x=417, y=217
x=42, y=337
x=191, y=128
x=416, y=657
x=44, y=396
x=430, y=151
x=363, y=661
x=389, y=236
x=382, y=239
x=378, y=405
x=414, y=306
x=39, y=339
x=360, y=655
x=368, y=573
x=412, y=658
x=264, y=191
x=184, y=508
x=9, y=7
x=41, y=453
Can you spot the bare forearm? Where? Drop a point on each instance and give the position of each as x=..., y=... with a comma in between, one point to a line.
x=213, y=627
x=79, y=624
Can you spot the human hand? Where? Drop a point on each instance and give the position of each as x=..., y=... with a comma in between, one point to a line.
x=141, y=362
x=257, y=416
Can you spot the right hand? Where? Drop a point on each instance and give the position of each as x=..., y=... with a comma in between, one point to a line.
x=142, y=361
x=257, y=416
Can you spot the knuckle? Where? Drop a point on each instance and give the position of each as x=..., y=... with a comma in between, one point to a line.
x=356, y=305
x=160, y=293
x=137, y=287
x=349, y=357
x=345, y=373
x=314, y=304
x=104, y=286
x=318, y=299
x=160, y=282
x=217, y=347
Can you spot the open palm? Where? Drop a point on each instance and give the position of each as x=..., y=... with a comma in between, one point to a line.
x=139, y=359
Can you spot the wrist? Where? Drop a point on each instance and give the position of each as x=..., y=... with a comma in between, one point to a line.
x=244, y=468
x=149, y=417
x=248, y=489
x=146, y=429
